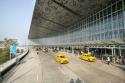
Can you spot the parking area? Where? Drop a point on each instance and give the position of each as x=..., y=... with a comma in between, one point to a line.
x=43, y=68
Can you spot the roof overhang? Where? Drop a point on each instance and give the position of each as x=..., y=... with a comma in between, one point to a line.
x=53, y=17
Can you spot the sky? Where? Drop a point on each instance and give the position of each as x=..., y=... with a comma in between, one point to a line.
x=15, y=19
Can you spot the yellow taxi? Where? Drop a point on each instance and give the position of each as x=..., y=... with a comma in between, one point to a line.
x=88, y=57
x=61, y=58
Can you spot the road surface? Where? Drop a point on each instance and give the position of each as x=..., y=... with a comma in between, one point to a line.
x=42, y=68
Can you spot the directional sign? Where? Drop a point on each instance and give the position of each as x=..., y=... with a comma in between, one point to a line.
x=13, y=49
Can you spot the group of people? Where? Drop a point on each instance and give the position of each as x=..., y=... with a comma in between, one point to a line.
x=116, y=59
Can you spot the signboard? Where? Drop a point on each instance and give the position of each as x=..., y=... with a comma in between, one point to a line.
x=13, y=49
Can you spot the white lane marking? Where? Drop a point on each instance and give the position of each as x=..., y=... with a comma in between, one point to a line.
x=62, y=70
x=37, y=77
x=70, y=62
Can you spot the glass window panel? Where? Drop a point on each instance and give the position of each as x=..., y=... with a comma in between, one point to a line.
x=101, y=14
x=90, y=19
x=94, y=17
x=115, y=34
x=109, y=26
x=95, y=37
x=115, y=25
x=124, y=3
x=119, y=5
x=110, y=35
x=121, y=24
x=106, y=35
x=109, y=18
x=97, y=15
x=101, y=21
x=105, y=12
x=109, y=10
x=105, y=20
x=120, y=14
x=121, y=31
x=114, y=8
x=102, y=36
x=92, y=37
x=114, y=16
x=98, y=36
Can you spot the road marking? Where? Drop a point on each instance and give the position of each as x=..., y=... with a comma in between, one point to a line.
x=37, y=77
x=70, y=62
x=62, y=70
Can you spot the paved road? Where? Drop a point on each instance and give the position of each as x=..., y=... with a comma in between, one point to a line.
x=96, y=72
x=40, y=69
x=43, y=69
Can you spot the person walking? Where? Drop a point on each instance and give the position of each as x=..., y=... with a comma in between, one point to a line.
x=108, y=60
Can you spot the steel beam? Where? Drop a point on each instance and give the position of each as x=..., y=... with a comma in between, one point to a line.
x=45, y=27
x=68, y=9
x=54, y=22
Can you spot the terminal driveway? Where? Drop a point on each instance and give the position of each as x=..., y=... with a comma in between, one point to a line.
x=95, y=72
x=42, y=68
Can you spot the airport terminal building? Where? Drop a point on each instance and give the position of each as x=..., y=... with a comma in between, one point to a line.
x=94, y=24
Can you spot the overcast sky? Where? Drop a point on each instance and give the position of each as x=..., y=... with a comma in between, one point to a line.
x=15, y=19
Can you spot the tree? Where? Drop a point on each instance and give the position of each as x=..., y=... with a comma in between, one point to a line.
x=8, y=43
x=4, y=55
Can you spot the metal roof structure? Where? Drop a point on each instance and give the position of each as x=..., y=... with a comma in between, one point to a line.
x=53, y=17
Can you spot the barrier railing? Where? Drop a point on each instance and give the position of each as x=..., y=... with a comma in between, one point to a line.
x=8, y=64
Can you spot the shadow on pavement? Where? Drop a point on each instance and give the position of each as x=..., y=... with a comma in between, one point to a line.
x=21, y=62
x=21, y=75
x=75, y=81
x=121, y=67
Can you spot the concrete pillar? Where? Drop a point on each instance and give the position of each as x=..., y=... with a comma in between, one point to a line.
x=120, y=50
x=105, y=51
x=101, y=54
x=64, y=49
x=112, y=52
x=88, y=49
x=72, y=50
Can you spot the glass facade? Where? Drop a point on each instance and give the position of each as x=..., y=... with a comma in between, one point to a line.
x=107, y=24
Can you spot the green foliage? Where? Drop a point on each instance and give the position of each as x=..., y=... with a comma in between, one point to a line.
x=8, y=43
x=4, y=56
x=4, y=53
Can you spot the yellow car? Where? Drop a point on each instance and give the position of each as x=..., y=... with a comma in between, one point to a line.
x=88, y=57
x=61, y=58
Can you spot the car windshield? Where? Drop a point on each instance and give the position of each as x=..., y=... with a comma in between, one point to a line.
x=62, y=56
x=89, y=55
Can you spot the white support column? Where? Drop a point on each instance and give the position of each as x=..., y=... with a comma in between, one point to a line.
x=123, y=11
x=112, y=23
x=72, y=50
x=64, y=49
x=120, y=50
x=105, y=51
x=112, y=52
x=88, y=49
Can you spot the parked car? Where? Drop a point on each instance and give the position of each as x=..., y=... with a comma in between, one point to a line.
x=88, y=57
x=61, y=58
